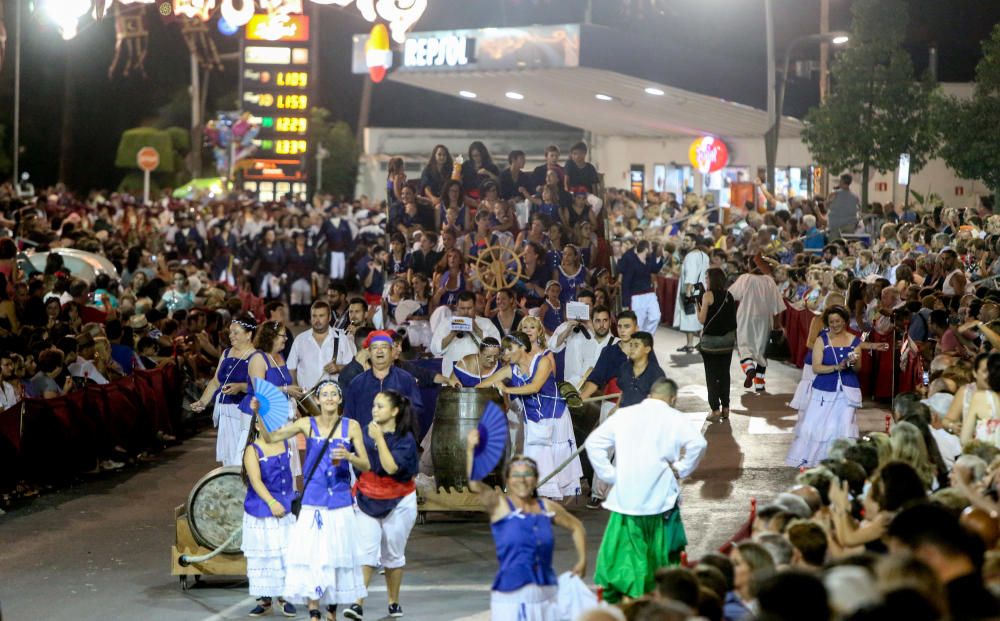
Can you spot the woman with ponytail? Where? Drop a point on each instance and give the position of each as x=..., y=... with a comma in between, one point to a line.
x=386, y=495
x=267, y=517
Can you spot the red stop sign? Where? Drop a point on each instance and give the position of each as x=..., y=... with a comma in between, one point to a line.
x=148, y=159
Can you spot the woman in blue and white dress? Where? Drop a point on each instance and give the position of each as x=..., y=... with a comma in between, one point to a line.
x=267, y=518
x=836, y=392
x=548, y=430
x=471, y=370
x=227, y=390
x=572, y=274
x=323, y=559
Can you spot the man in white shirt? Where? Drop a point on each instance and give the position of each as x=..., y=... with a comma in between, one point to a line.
x=582, y=340
x=320, y=352
x=84, y=365
x=453, y=345
x=657, y=447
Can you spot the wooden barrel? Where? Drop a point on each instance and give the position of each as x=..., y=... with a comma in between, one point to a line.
x=458, y=411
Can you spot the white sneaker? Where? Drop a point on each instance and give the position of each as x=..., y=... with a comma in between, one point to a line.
x=108, y=464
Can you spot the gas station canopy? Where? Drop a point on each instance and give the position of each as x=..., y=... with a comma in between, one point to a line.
x=581, y=76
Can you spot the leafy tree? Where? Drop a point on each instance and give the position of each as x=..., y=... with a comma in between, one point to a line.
x=340, y=168
x=971, y=133
x=171, y=143
x=876, y=110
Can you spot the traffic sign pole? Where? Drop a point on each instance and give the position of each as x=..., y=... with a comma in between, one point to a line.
x=145, y=187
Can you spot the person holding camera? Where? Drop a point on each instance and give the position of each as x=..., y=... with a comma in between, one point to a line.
x=453, y=345
x=717, y=311
x=690, y=288
x=582, y=340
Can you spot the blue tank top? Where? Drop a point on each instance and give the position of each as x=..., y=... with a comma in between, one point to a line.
x=470, y=380
x=233, y=370
x=553, y=317
x=330, y=486
x=546, y=403
x=450, y=297
x=828, y=382
x=524, y=544
x=276, y=474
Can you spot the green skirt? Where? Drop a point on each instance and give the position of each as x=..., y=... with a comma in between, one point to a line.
x=633, y=548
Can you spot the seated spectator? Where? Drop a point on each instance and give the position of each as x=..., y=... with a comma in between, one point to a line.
x=50, y=366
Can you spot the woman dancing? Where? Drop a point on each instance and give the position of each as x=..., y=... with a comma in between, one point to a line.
x=548, y=430
x=227, y=388
x=387, y=496
x=323, y=560
x=267, y=518
x=525, y=588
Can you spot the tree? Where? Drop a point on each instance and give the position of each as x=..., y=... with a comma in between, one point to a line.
x=340, y=168
x=876, y=110
x=171, y=143
x=971, y=134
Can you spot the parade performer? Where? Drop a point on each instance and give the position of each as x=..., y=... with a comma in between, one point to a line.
x=760, y=302
x=267, y=518
x=548, y=430
x=471, y=370
x=383, y=375
x=387, y=496
x=323, y=560
x=836, y=392
x=655, y=447
x=227, y=388
x=525, y=588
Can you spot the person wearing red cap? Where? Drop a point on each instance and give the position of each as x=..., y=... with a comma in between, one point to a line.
x=383, y=375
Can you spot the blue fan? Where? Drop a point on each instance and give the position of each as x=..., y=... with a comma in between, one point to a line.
x=273, y=410
x=492, y=441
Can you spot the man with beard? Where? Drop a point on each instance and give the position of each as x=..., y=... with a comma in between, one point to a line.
x=453, y=345
x=8, y=394
x=336, y=295
x=320, y=352
x=383, y=375
x=582, y=340
x=357, y=316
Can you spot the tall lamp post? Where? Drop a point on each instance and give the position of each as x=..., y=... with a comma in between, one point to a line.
x=776, y=102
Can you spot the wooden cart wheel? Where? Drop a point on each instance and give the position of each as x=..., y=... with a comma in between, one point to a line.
x=498, y=267
x=184, y=583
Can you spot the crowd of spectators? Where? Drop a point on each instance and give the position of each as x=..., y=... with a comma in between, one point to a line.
x=886, y=525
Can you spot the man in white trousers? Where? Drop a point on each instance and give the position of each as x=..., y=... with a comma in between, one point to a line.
x=637, y=270
x=693, y=268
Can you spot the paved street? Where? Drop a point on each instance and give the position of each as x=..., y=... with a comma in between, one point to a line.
x=102, y=550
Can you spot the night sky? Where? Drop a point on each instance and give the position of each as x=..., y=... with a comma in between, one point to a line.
x=99, y=109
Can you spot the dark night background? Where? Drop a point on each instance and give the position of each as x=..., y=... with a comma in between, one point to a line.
x=65, y=84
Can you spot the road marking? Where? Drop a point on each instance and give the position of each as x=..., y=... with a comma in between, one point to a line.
x=465, y=588
x=222, y=615
x=759, y=426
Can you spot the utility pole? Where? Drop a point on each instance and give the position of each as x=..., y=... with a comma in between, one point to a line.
x=196, y=107
x=824, y=78
x=773, y=117
x=17, y=92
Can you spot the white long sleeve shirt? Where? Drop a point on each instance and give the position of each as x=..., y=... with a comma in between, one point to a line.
x=581, y=353
x=307, y=357
x=648, y=438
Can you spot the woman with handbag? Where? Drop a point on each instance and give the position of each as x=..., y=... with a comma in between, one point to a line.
x=717, y=312
x=323, y=558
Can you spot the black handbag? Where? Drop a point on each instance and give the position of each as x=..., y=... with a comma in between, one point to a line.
x=777, y=346
x=297, y=501
x=717, y=343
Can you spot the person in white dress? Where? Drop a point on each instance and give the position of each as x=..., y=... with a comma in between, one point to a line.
x=760, y=304
x=696, y=263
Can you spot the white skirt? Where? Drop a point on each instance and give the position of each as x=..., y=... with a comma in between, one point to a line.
x=383, y=540
x=323, y=560
x=234, y=427
x=529, y=603
x=803, y=392
x=265, y=541
x=550, y=455
x=830, y=416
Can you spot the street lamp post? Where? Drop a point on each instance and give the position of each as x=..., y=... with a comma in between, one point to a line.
x=776, y=97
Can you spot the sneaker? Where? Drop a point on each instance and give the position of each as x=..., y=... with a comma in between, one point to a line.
x=594, y=503
x=748, y=382
x=287, y=608
x=355, y=612
x=758, y=385
x=395, y=610
x=108, y=464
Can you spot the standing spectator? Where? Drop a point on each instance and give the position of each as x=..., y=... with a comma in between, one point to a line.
x=339, y=234
x=717, y=310
x=300, y=265
x=843, y=207
x=424, y=258
x=637, y=376
x=551, y=163
x=453, y=345
x=693, y=268
x=478, y=170
x=583, y=341
x=637, y=268
x=320, y=352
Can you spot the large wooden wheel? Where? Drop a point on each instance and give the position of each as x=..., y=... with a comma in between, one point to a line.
x=498, y=267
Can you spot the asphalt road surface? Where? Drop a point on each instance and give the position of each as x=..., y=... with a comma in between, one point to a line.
x=101, y=550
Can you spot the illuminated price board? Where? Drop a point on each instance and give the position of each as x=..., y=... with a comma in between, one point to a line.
x=275, y=82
